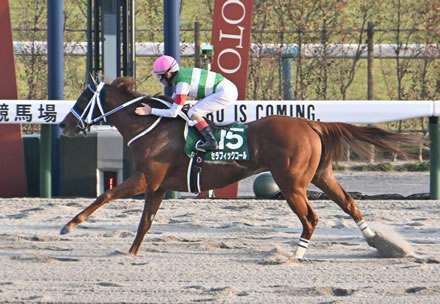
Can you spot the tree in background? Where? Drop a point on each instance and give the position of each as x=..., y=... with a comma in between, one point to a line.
x=75, y=75
x=345, y=70
x=277, y=22
x=31, y=68
x=264, y=85
x=301, y=15
x=328, y=20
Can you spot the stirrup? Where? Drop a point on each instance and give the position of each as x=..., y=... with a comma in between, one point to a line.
x=199, y=146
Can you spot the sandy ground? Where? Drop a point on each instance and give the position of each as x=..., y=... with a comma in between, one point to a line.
x=217, y=251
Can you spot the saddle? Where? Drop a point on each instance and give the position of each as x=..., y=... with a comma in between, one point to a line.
x=233, y=146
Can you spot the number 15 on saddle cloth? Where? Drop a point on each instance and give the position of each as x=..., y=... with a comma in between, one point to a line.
x=232, y=142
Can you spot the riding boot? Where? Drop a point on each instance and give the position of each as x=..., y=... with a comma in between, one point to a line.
x=209, y=141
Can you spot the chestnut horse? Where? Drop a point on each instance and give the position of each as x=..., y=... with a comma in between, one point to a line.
x=296, y=151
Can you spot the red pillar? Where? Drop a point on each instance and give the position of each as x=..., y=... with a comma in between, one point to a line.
x=12, y=166
x=231, y=33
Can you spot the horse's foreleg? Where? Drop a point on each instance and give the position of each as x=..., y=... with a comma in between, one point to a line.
x=135, y=184
x=152, y=204
x=327, y=182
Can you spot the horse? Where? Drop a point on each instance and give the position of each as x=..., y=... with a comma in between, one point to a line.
x=296, y=151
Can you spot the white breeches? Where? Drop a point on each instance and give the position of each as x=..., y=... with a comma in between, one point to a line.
x=226, y=94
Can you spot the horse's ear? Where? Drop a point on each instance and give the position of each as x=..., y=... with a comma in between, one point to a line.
x=95, y=83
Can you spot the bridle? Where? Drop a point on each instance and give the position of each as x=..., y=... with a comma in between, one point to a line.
x=86, y=119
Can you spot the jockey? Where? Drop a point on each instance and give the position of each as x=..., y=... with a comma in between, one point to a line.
x=213, y=91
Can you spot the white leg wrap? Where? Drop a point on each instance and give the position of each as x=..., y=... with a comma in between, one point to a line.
x=301, y=248
x=366, y=230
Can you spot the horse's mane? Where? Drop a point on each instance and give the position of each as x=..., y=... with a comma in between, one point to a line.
x=128, y=84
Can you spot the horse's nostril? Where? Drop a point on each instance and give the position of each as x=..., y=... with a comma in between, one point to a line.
x=62, y=125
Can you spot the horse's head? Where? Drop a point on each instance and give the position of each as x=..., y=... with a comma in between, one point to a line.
x=76, y=120
x=95, y=105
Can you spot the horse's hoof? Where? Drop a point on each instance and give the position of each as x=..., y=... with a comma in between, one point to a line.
x=132, y=252
x=372, y=241
x=65, y=230
x=298, y=260
x=391, y=245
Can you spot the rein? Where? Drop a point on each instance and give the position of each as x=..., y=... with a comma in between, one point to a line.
x=146, y=131
x=96, y=101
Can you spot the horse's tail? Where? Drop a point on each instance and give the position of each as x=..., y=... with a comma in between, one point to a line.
x=335, y=137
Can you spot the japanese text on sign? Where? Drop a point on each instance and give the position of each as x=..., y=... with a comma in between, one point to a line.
x=33, y=111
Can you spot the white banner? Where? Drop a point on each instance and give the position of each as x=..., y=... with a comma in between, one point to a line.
x=352, y=111
x=34, y=111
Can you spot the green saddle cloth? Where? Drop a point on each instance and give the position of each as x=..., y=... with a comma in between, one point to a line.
x=232, y=141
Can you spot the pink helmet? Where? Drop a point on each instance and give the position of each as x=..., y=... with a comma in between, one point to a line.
x=165, y=64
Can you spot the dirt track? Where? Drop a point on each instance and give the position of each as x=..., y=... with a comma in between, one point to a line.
x=225, y=251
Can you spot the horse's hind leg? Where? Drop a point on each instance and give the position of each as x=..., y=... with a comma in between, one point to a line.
x=326, y=181
x=152, y=204
x=135, y=184
x=296, y=197
x=299, y=204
